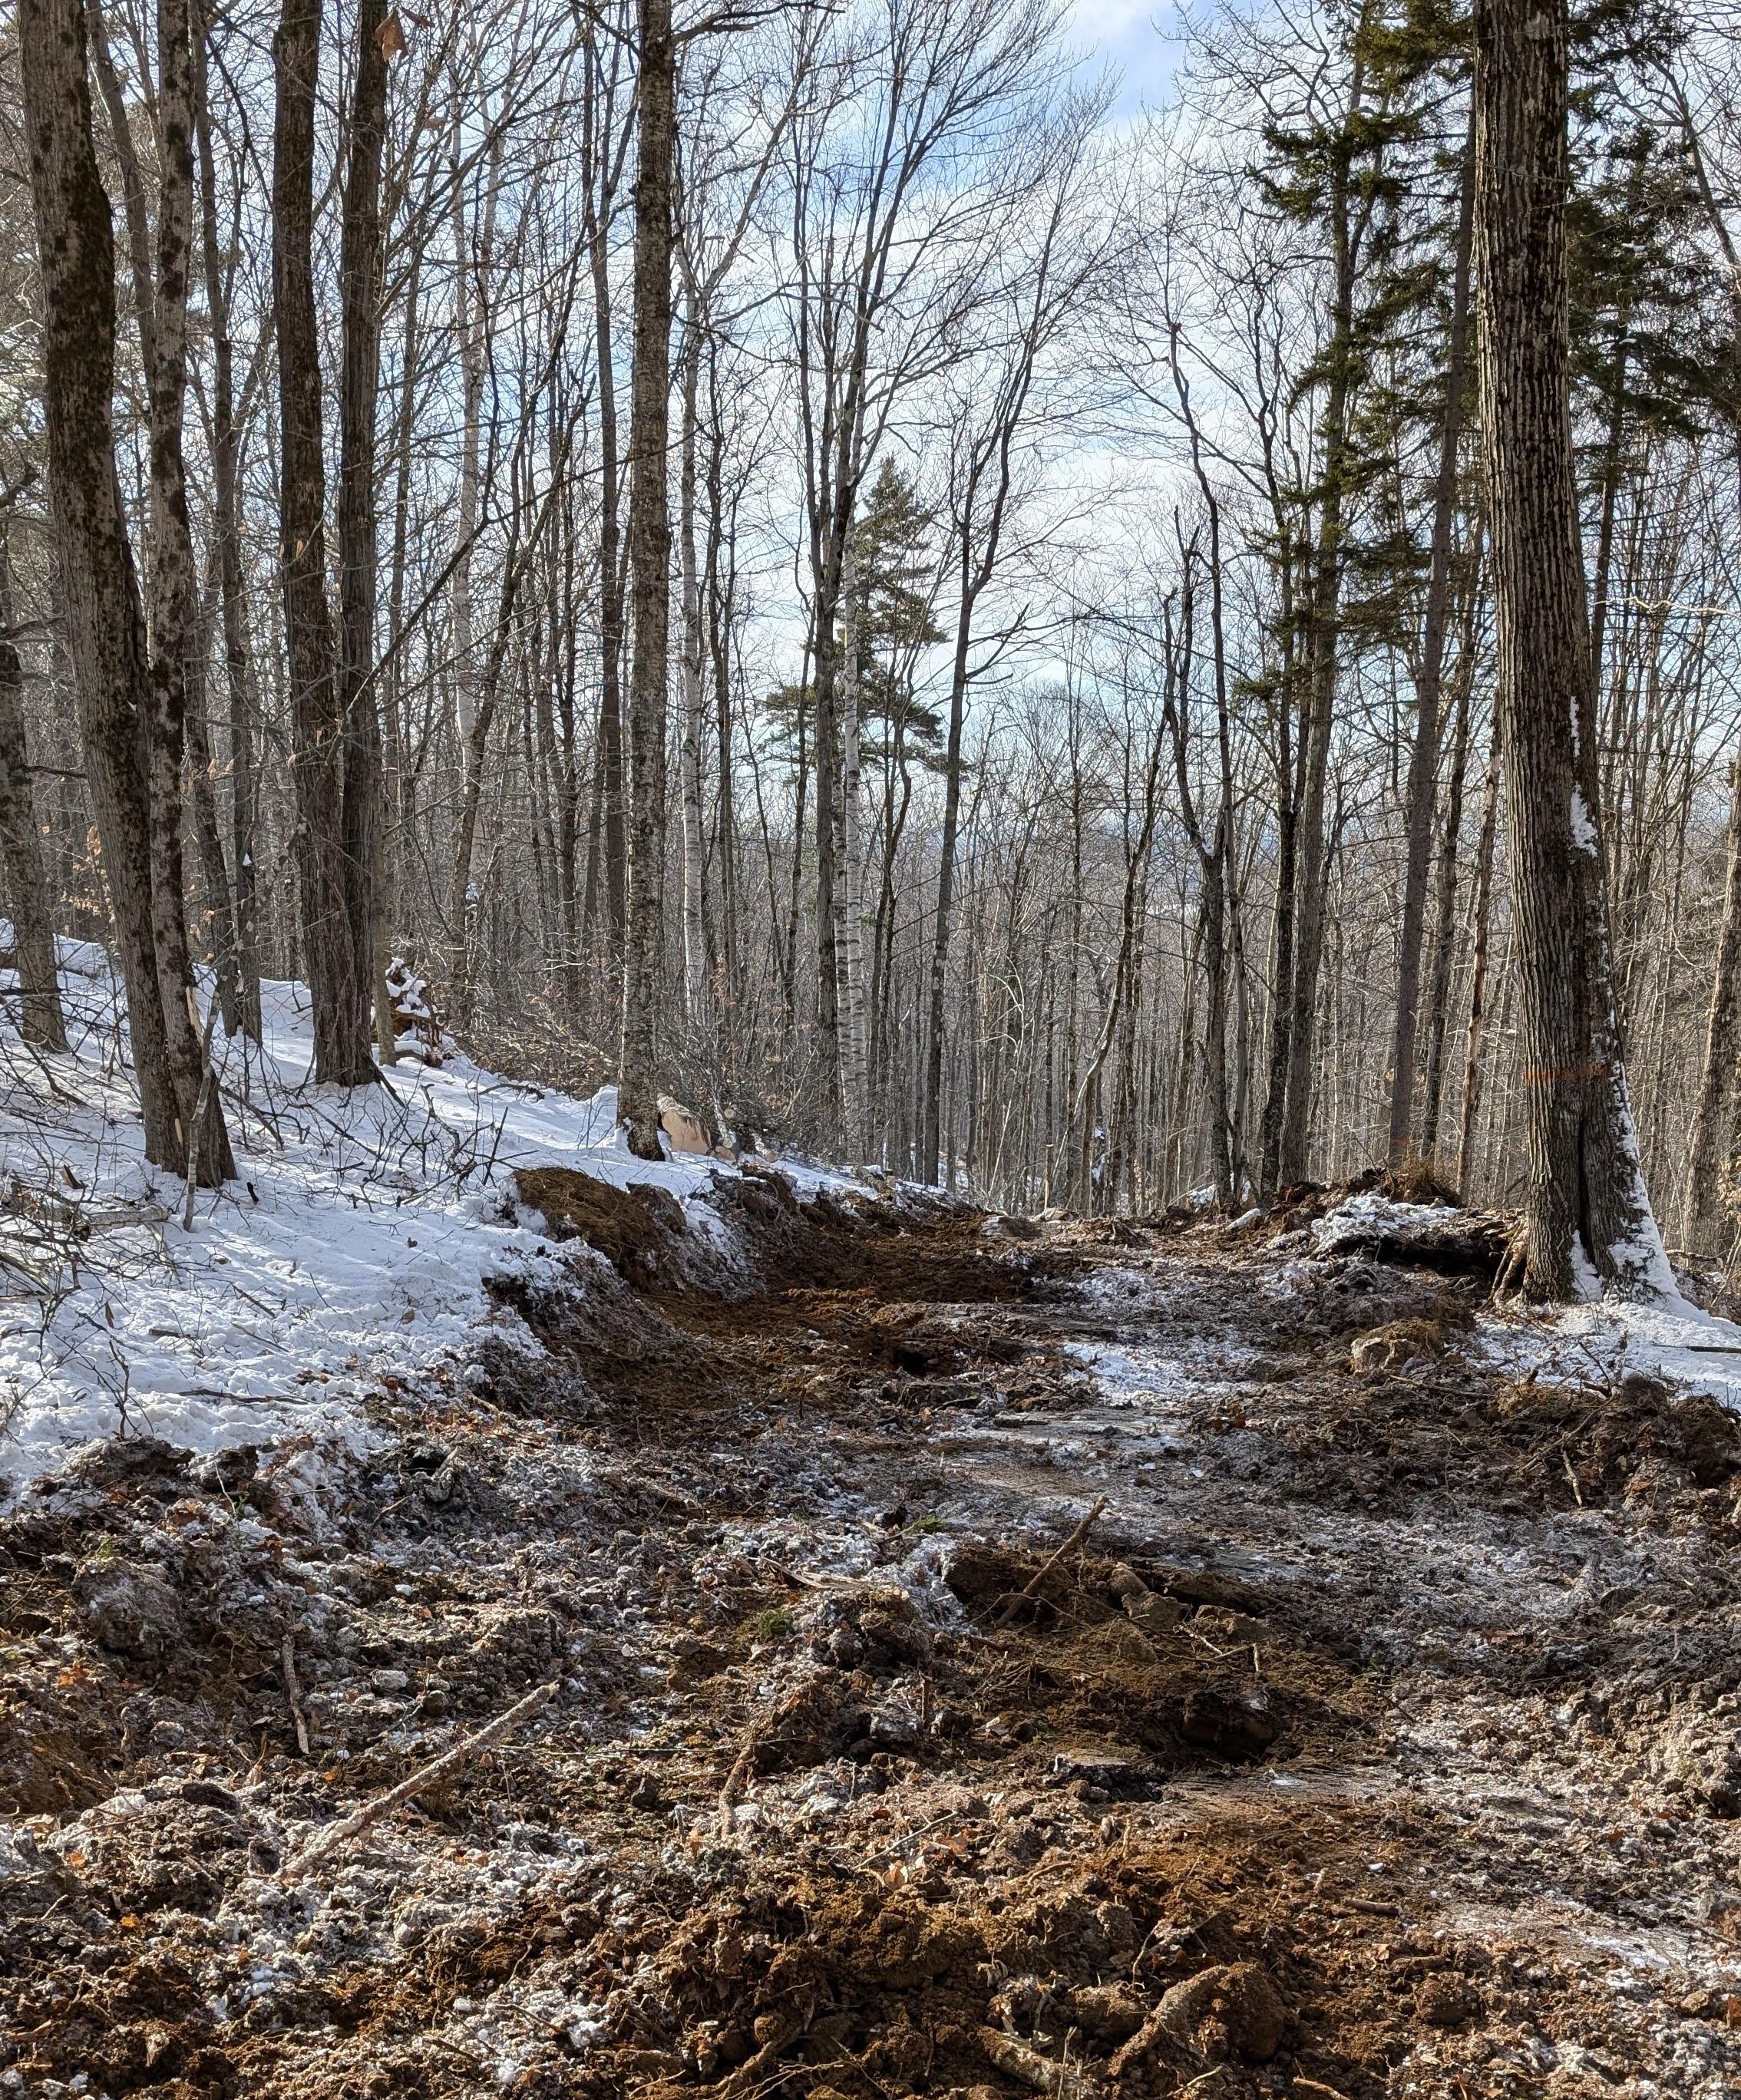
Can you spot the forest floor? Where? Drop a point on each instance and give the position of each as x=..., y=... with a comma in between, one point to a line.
x=1377, y=1735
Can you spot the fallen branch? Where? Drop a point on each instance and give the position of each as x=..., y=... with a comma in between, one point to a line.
x=339, y=1834
x=730, y=1792
x=1040, y=1573
x=1016, y=2060
x=293, y=1692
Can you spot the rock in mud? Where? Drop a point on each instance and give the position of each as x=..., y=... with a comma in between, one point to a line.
x=1149, y=1611
x=1233, y=2009
x=824, y=1714
x=131, y=1610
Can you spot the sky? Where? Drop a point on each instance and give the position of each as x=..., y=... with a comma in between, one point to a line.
x=1135, y=39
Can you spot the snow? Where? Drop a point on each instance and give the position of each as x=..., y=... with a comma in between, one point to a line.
x=1583, y=830
x=1358, y=1217
x=1688, y=1349
x=351, y=1249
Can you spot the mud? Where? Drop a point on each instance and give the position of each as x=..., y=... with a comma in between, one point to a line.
x=1378, y=1736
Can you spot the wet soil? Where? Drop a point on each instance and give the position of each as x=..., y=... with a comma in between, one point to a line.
x=987, y=1658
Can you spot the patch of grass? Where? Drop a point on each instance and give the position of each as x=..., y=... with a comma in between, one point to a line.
x=925, y=1526
x=772, y=1626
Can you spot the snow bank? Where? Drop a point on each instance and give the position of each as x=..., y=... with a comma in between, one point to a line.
x=1674, y=1341
x=351, y=1250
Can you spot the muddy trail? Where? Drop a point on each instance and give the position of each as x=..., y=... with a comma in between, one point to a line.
x=985, y=1657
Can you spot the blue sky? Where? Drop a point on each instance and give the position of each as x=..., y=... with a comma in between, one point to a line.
x=1135, y=37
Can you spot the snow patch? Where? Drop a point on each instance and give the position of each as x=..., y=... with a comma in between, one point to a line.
x=1692, y=1351
x=352, y=1249
x=1358, y=1217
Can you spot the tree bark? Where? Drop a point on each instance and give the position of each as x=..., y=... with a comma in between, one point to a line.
x=601, y=177
x=104, y=623
x=1584, y=1181
x=695, y=943
x=650, y=559
x=855, y=1079
x=360, y=384
x=1480, y=940
x=42, y=1022
x=1319, y=717
x=1423, y=758
x=177, y=653
x=342, y=1051
x=1445, y=901
x=227, y=524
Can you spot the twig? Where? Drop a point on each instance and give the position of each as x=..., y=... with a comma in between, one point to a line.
x=293, y=1692
x=734, y=1786
x=340, y=1833
x=1040, y=1573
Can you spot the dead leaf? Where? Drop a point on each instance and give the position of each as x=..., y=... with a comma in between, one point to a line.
x=391, y=37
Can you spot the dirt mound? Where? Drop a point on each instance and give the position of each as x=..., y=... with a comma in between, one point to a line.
x=636, y=1229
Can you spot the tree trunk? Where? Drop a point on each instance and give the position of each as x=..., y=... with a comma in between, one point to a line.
x=41, y=1021
x=342, y=1051
x=1704, y=1161
x=179, y=663
x=1478, y=970
x=930, y=1133
x=103, y=624
x=694, y=940
x=360, y=383
x=650, y=557
x=227, y=525
x=1584, y=1181
x=855, y=1079
x=176, y=641
x=1445, y=902
x=1318, y=716
x=1424, y=760
x=601, y=184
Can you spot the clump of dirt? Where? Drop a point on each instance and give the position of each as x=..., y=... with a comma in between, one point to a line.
x=1408, y=1428
x=636, y=1229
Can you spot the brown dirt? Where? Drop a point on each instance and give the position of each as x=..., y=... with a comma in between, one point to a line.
x=1380, y=1740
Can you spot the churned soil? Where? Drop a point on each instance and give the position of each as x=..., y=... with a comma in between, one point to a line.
x=987, y=1656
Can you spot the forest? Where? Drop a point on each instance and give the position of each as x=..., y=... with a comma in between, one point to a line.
x=870, y=1140
x=831, y=563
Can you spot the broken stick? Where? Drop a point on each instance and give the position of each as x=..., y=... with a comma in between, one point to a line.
x=1028, y=2067
x=731, y=1791
x=1040, y=1573
x=293, y=1692
x=339, y=1834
